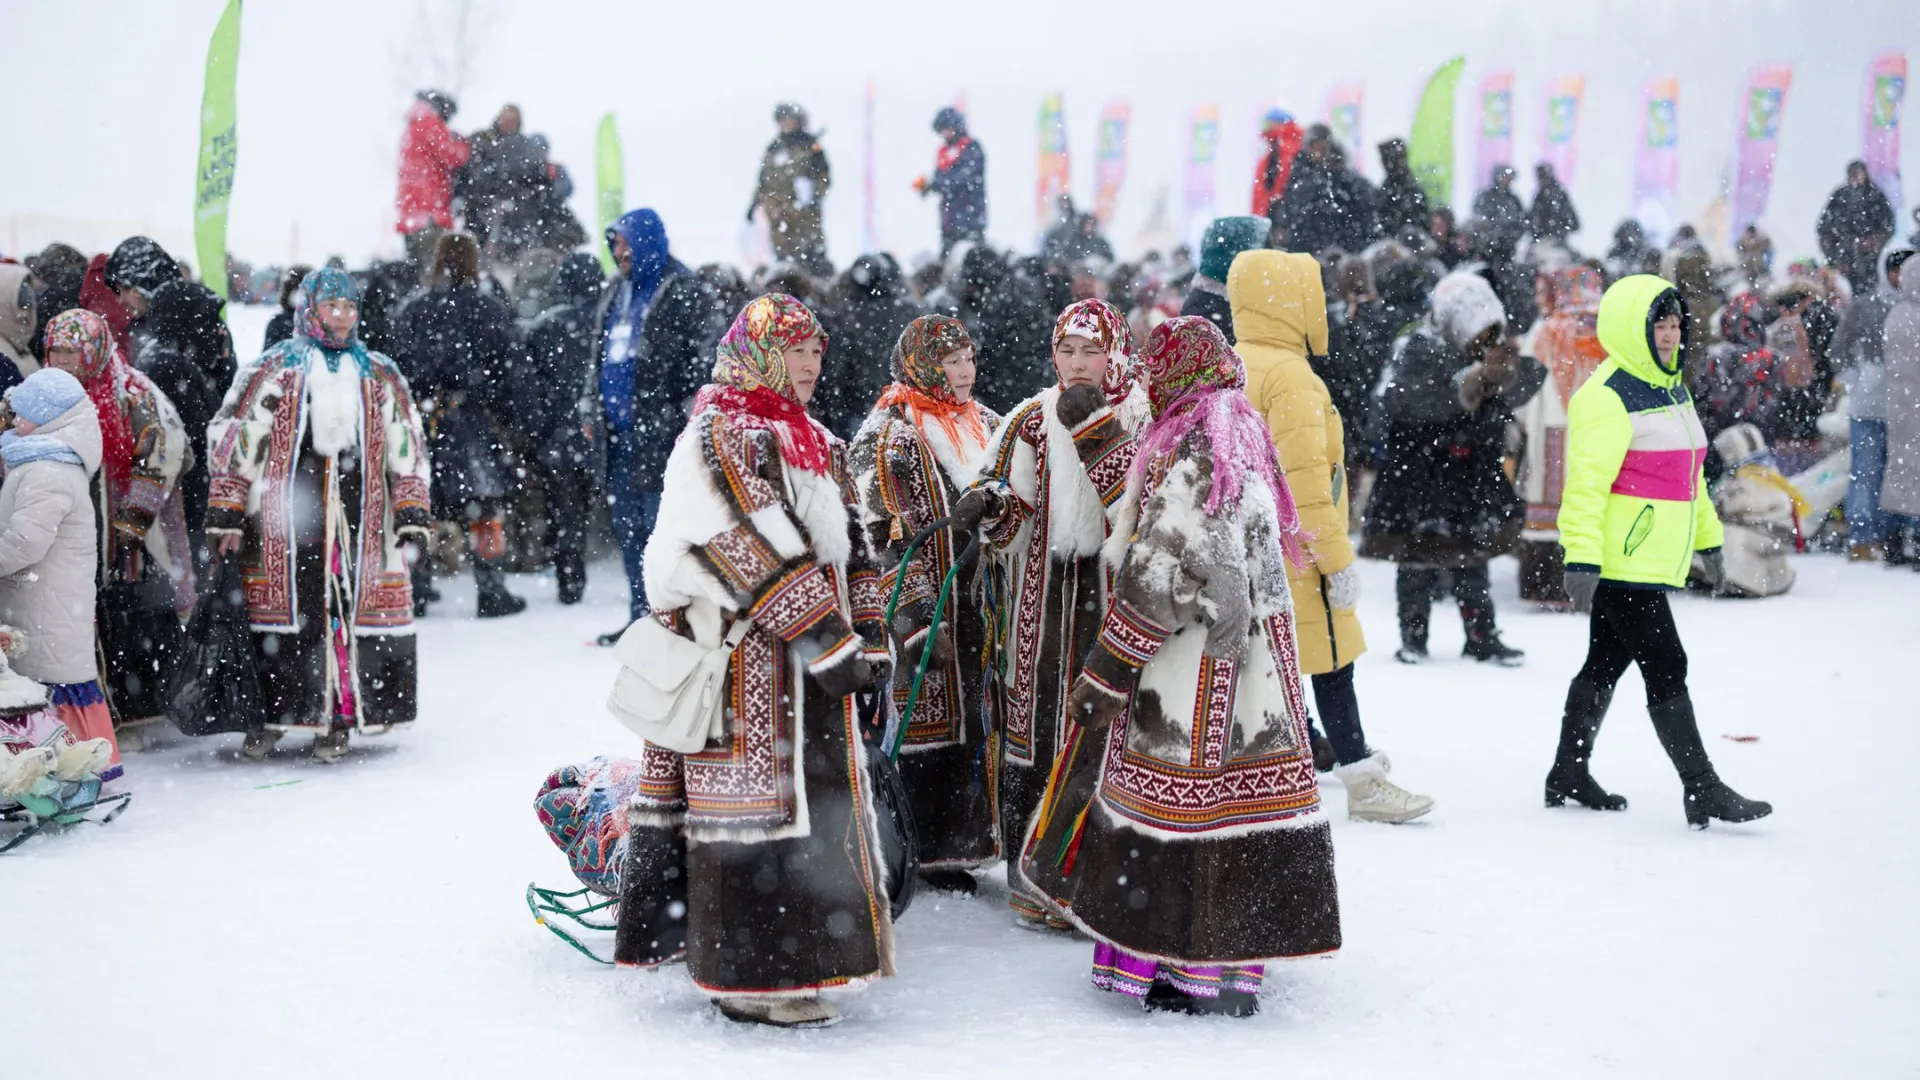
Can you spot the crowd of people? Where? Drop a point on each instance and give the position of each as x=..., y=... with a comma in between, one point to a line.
x=1059, y=532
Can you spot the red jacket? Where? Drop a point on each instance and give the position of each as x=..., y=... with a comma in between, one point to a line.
x=1279, y=142
x=429, y=155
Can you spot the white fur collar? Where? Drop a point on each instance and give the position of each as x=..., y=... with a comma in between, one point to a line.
x=1076, y=518
x=333, y=407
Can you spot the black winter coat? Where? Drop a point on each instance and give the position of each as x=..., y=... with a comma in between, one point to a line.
x=1502, y=209
x=196, y=388
x=457, y=350
x=962, y=187
x=1553, y=216
x=1442, y=498
x=862, y=331
x=1402, y=202
x=1358, y=347
x=1326, y=207
x=1010, y=326
x=1851, y=215
x=560, y=350
x=1212, y=306
x=672, y=361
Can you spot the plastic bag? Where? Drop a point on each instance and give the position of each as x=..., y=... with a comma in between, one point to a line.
x=213, y=688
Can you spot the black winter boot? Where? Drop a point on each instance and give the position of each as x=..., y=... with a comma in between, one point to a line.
x=1415, y=607
x=1706, y=796
x=1483, y=641
x=495, y=600
x=571, y=573
x=1579, y=726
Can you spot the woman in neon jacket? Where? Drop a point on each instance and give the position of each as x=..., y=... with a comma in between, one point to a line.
x=1634, y=514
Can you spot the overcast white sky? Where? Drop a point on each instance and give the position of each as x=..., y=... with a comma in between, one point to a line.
x=103, y=119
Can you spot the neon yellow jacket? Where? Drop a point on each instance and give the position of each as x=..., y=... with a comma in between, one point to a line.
x=1636, y=505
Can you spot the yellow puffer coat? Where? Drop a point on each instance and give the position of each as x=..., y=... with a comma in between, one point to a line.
x=1279, y=313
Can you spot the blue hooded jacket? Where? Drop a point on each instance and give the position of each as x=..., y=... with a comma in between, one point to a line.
x=646, y=235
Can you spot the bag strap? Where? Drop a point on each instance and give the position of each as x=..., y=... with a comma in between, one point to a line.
x=737, y=633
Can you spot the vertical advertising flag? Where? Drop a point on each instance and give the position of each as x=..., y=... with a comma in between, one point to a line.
x=213, y=182
x=1052, y=182
x=1880, y=131
x=1203, y=149
x=1430, y=144
x=1756, y=145
x=610, y=174
x=1343, y=116
x=1496, y=128
x=1560, y=137
x=1110, y=159
x=1656, y=167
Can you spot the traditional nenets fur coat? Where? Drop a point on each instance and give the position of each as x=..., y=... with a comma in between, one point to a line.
x=318, y=461
x=911, y=459
x=784, y=892
x=1055, y=466
x=1183, y=829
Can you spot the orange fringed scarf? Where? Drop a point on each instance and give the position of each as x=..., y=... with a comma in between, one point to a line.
x=961, y=422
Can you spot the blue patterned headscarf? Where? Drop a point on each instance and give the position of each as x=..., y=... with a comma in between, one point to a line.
x=324, y=284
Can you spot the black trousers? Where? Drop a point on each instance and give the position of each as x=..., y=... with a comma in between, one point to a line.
x=1340, y=714
x=1635, y=626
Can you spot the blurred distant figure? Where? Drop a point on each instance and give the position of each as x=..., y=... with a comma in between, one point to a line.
x=1754, y=252
x=1500, y=208
x=1629, y=252
x=1224, y=239
x=505, y=178
x=1856, y=223
x=1280, y=136
x=1402, y=203
x=960, y=179
x=869, y=310
x=1075, y=236
x=1552, y=218
x=17, y=321
x=794, y=178
x=431, y=156
x=558, y=360
x=1326, y=204
x=280, y=327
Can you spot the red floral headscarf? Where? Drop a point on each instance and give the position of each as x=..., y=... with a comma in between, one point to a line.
x=1101, y=321
x=105, y=374
x=751, y=383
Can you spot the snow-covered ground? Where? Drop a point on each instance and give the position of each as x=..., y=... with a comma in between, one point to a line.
x=290, y=919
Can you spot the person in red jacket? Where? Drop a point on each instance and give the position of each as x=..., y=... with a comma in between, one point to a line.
x=430, y=154
x=1280, y=136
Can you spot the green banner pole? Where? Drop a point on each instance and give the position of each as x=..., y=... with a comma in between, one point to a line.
x=613, y=183
x=213, y=183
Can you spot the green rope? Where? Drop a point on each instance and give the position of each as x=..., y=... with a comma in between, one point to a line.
x=933, y=627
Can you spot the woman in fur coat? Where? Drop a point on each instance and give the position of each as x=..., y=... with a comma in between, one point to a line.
x=911, y=459
x=1045, y=484
x=1193, y=848
x=319, y=483
x=783, y=891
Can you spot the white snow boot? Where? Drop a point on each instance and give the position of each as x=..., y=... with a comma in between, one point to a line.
x=19, y=773
x=83, y=760
x=1373, y=797
x=796, y=1012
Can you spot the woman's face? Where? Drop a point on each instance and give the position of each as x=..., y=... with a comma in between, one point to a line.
x=71, y=361
x=339, y=316
x=1079, y=361
x=1666, y=341
x=803, y=367
x=959, y=367
x=23, y=425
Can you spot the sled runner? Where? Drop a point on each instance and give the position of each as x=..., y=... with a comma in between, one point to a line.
x=76, y=802
x=582, y=907
x=897, y=732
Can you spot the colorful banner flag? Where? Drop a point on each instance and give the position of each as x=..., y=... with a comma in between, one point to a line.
x=1054, y=166
x=1343, y=116
x=1430, y=144
x=1880, y=131
x=1203, y=149
x=1496, y=128
x=1110, y=159
x=610, y=171
x=1756, y=145
x=213, y=183
x=1656, y=168
x=869, y=236
x=1560, y=137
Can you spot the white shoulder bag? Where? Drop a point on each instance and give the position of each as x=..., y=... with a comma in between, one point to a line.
x=671, y=690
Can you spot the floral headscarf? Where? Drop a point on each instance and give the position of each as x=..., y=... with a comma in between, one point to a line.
x=751, y=384
x=920, y=382
x=107, y=378
x=1101, y=321
x=1576, y=289
x=324, y=284
x=1196, y=381
x=1568, y=341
